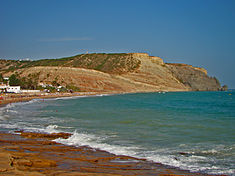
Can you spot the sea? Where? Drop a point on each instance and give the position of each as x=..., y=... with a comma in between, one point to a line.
x=194, y=131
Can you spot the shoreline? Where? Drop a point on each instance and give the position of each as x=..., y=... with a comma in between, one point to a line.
x=32, y=154
x=14, y=98
x=20, y=158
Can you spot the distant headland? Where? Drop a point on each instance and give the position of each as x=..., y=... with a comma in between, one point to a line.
x=113, y=72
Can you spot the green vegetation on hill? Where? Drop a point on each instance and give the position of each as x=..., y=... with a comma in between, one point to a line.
x=1, y=78
x=116, y=63
x=30, y=82
x=14, y=81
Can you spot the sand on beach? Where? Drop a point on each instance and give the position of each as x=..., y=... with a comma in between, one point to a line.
x=13, y=98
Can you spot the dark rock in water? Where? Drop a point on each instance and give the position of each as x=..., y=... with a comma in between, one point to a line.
x=51, y=136
x=224, y=88
x=184, y=154
x=176, y=159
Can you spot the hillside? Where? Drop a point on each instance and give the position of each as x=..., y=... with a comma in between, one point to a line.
x=108, y=63
x=121, y=72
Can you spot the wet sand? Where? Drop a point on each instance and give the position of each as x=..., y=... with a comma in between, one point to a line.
x=35, y=154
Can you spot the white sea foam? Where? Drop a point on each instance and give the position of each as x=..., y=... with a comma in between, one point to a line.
x=73, y=97
x=49, y=129
x=79, y=96
x=3, y=117
x=102, y=95
x=5, y=110
x=9, y=126
x=11, y=105
x=83, y=139
x=212, y=151
x=227, y=171
x=192, y=162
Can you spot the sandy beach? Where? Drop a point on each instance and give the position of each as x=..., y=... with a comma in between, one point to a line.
x=27, y=153
x=13, y=98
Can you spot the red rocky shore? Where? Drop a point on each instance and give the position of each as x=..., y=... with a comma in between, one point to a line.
x=35, y=154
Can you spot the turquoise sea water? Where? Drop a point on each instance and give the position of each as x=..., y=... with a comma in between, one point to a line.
x=189, y=130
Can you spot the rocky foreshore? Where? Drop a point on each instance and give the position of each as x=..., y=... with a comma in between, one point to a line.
x=35, y=154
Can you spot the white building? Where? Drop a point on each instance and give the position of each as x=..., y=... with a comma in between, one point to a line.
x=10, y=89
x=6, y=78
x=30, y=91
x=13, y=89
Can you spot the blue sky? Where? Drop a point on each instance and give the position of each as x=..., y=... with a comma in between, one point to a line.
x=196, y=32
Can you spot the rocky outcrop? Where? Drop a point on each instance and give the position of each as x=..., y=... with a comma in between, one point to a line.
x=224, y=88
x=40, y=156
x=196, y=79
x=145, y=56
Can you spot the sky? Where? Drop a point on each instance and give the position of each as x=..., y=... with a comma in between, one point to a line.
x=195, y=32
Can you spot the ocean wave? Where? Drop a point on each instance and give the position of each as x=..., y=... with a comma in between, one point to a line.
x=4, y=117
x=79, y=96
x=66, y=98
x=167, y=156
x=193, y=163
x=48, y=129
x=11, y=105
x=9, y=126
x=51, y=129
x=83, y=139
x=102, y=95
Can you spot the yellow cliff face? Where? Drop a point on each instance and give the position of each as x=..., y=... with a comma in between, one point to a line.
x=201, y=69
x=186, y=65
x=139, y=55
x=157, y=60
x=145, y=56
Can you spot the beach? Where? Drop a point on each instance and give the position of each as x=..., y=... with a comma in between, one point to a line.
x=13, y=98
x=32, y=153
x=35, y=154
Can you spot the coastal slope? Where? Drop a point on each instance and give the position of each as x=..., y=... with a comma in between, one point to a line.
x=121, y=72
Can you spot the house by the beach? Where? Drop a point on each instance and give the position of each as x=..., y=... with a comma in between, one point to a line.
x=6, y=78
x=9, y=89
x=13, y=89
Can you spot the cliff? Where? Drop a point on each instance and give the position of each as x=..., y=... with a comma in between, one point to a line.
x=193, y=77
x=122, y=72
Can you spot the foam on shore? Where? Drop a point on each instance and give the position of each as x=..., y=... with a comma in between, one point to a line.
x=81, y=138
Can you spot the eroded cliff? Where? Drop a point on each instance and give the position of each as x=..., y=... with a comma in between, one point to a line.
x=122, y=72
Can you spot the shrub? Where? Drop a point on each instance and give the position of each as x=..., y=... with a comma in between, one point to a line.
x=14, y=81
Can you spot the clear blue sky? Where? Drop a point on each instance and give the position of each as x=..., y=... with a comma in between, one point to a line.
x=195, y=32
